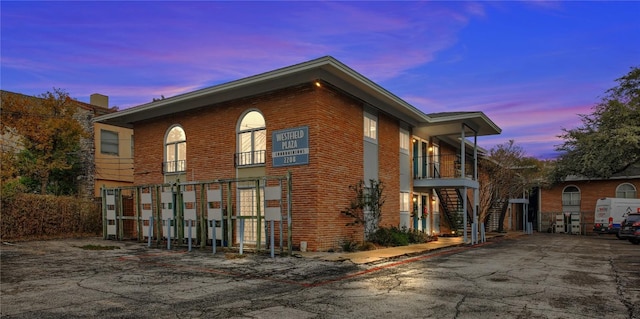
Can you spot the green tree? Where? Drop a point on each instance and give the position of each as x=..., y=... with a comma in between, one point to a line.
x=608, y=142
x=47, y=138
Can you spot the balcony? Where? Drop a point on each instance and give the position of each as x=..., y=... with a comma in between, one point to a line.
x=251, y=158
x=443, y=171
x=174, y=167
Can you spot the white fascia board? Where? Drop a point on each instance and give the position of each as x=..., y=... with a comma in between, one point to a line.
x=477, y=121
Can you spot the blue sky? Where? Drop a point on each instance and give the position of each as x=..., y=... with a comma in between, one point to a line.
x=532, y=67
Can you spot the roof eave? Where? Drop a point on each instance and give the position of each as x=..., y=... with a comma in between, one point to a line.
x=326, y=68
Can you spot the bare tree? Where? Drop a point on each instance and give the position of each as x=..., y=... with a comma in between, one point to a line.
x=506, y=173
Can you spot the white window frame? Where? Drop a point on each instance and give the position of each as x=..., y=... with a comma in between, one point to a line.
x=630, y=192
x=256, y=154
x=405, y=202
x=247, y=207
x=179, y=164
x=571, y=198
x=405, y=141
x=370, y=127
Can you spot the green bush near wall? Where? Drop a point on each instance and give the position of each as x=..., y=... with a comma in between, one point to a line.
x=31, y=216
x=393, y=236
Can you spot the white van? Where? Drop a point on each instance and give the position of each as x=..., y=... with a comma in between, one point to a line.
x=610, y=212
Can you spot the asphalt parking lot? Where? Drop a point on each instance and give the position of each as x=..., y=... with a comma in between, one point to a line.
x=537, y=276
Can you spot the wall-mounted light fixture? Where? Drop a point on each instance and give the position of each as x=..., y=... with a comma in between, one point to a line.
x=317, y=83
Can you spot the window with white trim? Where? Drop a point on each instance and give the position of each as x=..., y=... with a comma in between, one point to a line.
x=571, y=196
x=626, y=190
x=175, y=146
x=404, y=202
x=404, y=141
x=370, y=126
x=252, y=140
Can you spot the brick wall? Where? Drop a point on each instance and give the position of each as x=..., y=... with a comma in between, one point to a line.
x=320, y=189
x=590, y=192
x=389, y=169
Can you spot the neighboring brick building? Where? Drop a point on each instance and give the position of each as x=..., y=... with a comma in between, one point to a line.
x=111, y=166
x=333, y=127
x=579, y=195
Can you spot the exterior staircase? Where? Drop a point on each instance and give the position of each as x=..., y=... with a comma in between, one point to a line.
x=492, y=221
x=451, y=206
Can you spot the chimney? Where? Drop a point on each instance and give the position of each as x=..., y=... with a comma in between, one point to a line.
x=99, y=100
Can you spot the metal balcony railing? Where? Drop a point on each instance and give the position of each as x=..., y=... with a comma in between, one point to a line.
x=441, y=166
x=251, y=158
x=174, y=166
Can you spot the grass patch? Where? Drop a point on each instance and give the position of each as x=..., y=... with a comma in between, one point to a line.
x=98, y=247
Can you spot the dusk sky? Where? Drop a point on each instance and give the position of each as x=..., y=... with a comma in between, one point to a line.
x=532, y=67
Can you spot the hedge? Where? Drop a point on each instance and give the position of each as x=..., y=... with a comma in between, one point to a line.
x=30, y=216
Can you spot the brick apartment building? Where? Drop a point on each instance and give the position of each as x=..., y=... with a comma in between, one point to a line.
x=579, y=195
x=327, y=125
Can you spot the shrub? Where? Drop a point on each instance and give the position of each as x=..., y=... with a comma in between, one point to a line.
x=29, y=216
x=393, y=236
x=349, y=245
x=367, y=245
x=417, y=237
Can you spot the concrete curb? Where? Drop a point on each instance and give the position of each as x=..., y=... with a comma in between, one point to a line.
x=385, y=254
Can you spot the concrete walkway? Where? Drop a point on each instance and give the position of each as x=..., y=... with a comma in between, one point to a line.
x=377, y=255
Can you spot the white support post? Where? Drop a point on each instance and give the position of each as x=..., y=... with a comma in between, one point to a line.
x=273, y=245
x=241, y=221
x=189, y=223
x=150, y=231
x=169, y=233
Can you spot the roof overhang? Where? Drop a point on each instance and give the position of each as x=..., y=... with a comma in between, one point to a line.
x=444, y=124
x=328, y=71
x=325, y=69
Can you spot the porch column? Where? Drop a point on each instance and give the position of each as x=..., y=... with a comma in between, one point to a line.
x=463, y=174
x=462, y=151
x=476, y=191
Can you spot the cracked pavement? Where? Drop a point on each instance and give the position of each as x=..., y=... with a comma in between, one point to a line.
x=537, y=276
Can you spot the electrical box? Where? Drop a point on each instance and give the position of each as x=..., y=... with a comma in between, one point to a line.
x=575, y=223
x=559, y=223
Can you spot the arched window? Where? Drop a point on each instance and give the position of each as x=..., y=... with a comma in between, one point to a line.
x=626, y=190
x=175, y=146
x=571, y=196
x=252, y=140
